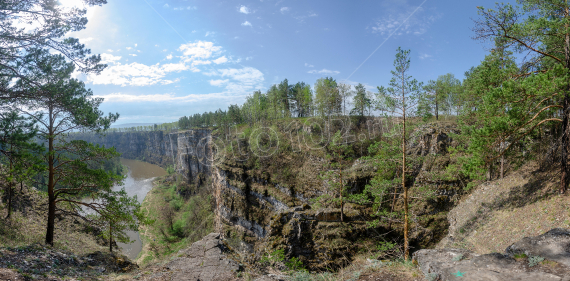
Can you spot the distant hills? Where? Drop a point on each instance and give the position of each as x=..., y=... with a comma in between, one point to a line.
x=129, y=125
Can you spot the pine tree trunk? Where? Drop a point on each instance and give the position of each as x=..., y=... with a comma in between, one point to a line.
x=565, y=112
x=110, y=238
x=565, y=142
x=436, y=107
x=51, y=185
x=406, y=225
x=10, y=194
x=341, y=202
x=502, y=166
x=9, y=201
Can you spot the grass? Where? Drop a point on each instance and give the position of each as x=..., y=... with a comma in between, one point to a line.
x=192, y=218
x=362, y=269
x=27, y=226
x=499, y=213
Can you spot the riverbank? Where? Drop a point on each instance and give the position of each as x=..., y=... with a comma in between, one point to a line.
x=179, y=221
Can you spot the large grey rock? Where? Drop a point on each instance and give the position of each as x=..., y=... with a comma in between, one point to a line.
x=553, y=245
x=458, y=264
x=205, y=260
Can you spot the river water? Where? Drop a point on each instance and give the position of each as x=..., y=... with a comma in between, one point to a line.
x=139, y=183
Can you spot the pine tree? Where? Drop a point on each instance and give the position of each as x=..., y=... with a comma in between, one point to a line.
x=404, y=93
x=61, y=105
x=540, y=93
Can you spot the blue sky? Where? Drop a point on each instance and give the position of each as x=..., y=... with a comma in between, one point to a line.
x=169, y=58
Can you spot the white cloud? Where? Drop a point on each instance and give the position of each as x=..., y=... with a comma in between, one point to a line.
x=425, y=56
x=135, y=74
x=109, y=50
x=120, y=97
x=134, y=55
x=219, y=83
x=303, y=17
x=136, y=45
x=284, y=9
x=185, y=8
x=169, y=57
x=85, y=40
x=241, y=81
x=166, y=6
x=108, y=58
x=128, y=48
x=323, y=71
x=246, y=23
x=248, y=58
x=395, y=15
x=199, y=50
x=220, y=60
x=244, y=10
x=309, y=65
x=208, y=33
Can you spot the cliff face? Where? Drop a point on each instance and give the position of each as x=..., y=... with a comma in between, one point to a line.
x=188, y=151
x=266, y=201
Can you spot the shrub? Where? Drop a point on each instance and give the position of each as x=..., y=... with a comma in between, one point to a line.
x=178, y=228
x=532, y=261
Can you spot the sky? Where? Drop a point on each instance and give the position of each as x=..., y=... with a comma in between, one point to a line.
x=173, y=58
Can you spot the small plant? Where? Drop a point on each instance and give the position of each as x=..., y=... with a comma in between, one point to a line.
x=432, y=276
x=532, y=261
x=295, y=264
x=520, y=256
x=457, y=258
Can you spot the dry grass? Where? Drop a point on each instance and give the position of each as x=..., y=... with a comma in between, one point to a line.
x=28, y=226
x=501, y=212
x=362, y=269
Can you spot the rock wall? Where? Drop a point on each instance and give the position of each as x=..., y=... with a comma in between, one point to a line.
x=188, y=151
x=267, y=200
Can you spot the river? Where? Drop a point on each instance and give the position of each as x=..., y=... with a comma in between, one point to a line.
x=139, y=183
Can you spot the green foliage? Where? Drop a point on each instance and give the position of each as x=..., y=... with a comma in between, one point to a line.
x=328, y=101
x=332, y=174
x=534, y=260
x=178, y=228
x=295, y=264
x=274, y=257
x=278, y=256
x=170, y=169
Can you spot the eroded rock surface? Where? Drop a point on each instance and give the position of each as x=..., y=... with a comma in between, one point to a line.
x=458, y=264
x=205, y=260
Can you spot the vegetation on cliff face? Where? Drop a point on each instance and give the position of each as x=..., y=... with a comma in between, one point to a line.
x=182, y=213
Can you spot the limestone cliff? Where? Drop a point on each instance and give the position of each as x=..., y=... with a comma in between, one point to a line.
x=265, y=200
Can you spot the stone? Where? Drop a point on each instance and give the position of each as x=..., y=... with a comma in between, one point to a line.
x=459, y=264
x=553, y=245
x=205, y=260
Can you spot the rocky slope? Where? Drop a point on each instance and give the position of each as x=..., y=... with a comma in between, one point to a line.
x=263, y=188
x=541, y=258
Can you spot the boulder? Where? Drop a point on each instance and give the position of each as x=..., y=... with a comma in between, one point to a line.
x=552, y=248
x=205, y=260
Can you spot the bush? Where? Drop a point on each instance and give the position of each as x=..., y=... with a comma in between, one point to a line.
x=178, y=228
x=170, y=170
x=532, y=261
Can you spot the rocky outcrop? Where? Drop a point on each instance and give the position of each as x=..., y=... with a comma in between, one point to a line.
x=205, y=260
x=266, y=198
x=541, y=258
x=190, y=151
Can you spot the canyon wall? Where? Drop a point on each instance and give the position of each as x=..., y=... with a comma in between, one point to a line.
x=266, y=201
